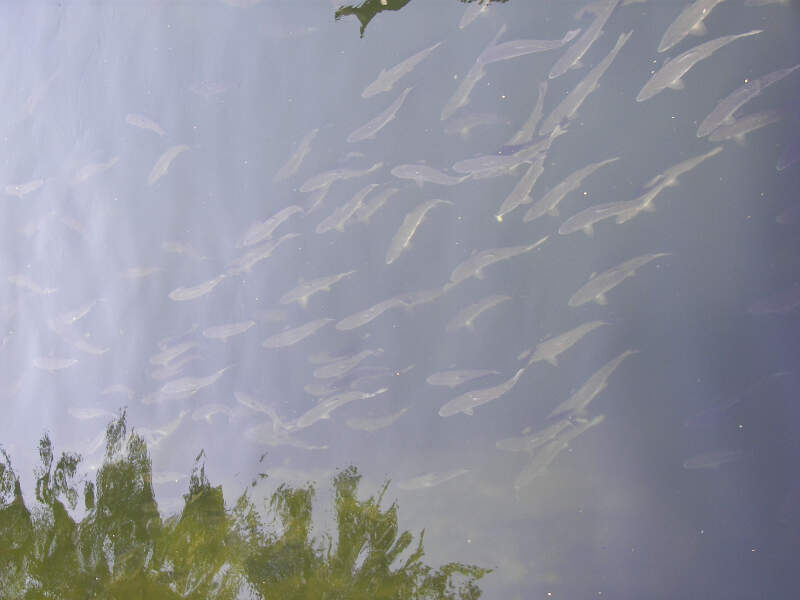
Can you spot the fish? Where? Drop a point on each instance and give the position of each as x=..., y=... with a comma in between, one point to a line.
x=164, y=161
x=516, y=48
x=388, y=77
x=577, y=403
x=712, y=460
x=423, y=173
x=493, y=165
x=292, y=165
x=302, y=292
x=292, y=336
x=189, y=386
x=53, y=364
x=568, y=107
x=669, y=177
x=458, y=377
x=550, y=349
x=472, y=12
x=245, y=262
x=402, y=238
x=670, y=73
x=223, y=332
x=371, y=128
x=170, y=353
x=180, y=248
x=465, y=124
x=781, y=303
x=467, y=402
x=278, y=424
x=207, y=411
x=87, y=347
x=26, y=283
x=159, y=477
x=429, y=480
x=262, y=230
x=528, y=129
x=86, y=172
x=599, y=285
x=153, y=437
x=363, y=317
x=548, y=204
x=118, y=388
x=689, y=21
x=350, y=380
x=144, y=122
x=326, y=406
x=182, y=294
x=270, y=315
x=466, y=317
x=374, y=204
x=529, y=443
x=520, y=195
x=343, y=214
x=174, y=368
x=724, y=110
x=326, y=179
x=68, y=318
x=738, y=129
x=23, y=189
x=571, y=59
x=343, y=366
x=140, y=272
x=85, y=414
x=372, y=424
x=474, y=265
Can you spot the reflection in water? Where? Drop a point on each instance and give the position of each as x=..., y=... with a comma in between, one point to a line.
x=122, y=548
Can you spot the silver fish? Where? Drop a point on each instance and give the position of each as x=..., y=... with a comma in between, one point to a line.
x=458, y=377
x=262, y=230
x=264, y=434
x=173, y=369
x=140, y=272
x=23, y=189
x=164, y=161
x=87, y=347
x=170, y=353
x=368, y=314
x=26, y=283
x=548, y=204
x=577, y=403
x=528, y=129
x=52, y=364
x=550, y=349
x=370, y=129
x=207, y=411
x=298, y=156
x=302, y=292
x=343, y=214
x=245, y=262
x=143, y=122
x=118, y=388
x=423, y=173
x=86, y=172
x=85, y=414
x=182, y=294
x=374, y=204
x=372, y=424
x=296, y=334
x=598, y=285
x=669, y=177
x=466, y=317
x=469, y=401
x=724, y=110
x=474, y=265
x=529, y=443
x=690, y=20
x=188, y=386
x=326, y=406
x=402, y=238
x=670, y=73
x=712, y=460
x=342, y=367
x=568, y=107
x=465, y=124
x=223, y=332
x=429, y=480
x=153, y=437
x=521, y=194
x=181, y=248
x=388, y=77
x=323, y=180
x=278, y=424
x=68, y=318
x=571, y=59
x=472, y=12
x=516, y=48
x=738, y=129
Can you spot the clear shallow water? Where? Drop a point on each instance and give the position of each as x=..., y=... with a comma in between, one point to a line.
x=686, y=486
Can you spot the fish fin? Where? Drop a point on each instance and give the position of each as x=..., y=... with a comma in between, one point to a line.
x=468, y=411
x=698, y=29
x=601, y=299
x=676, y=85
x=552, y=360
x=588, y=230
x=553, y=212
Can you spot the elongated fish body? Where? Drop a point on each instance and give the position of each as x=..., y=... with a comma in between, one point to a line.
x=568, y=107
x=466, y=317
x=339, y=217
x=374, y=204
x=712, y=460
x=86, y=172
x=472, y=12
x=548, y=204
x=295, y=335
x=23, y=189
x=669, y=75
x=371, y=424
x=373, y=126
x=690, y=20
x=521, y=194
x=207, y=411
x=170, y=353
x=223, y=332
x=298, y=156
x=388, y=77
x=577, y=403
x=245, y=262
x=26, y=283
x=464, y=124
x=53, y=364
x=425, y=174
x=258, y=232
x=326, y=406
x=164, y=161
x=402, y=239
x=324, y=180
x=516, y=48
x=305, y=290
x=474, y=265
x=458, y=377
x=188, y=386
x=596, y=288
x=144, y=122
x=738, y=129
x=429, y=480
x=368, y=314
x=669, y=177
x=182, y=294
x=550, y=349
x=529, y=443
x=725, y=108
x=342, y=367
x=572, y=57
x=467, y=402
x=528, y=129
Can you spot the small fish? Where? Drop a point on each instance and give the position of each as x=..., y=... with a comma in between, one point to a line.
x=183, y=294
x=371, y=128
x=712, y=460
x=68, y=318
x=144, y=122
x=170, y=353
x=326, y=179
x=599, y=285
x=140, y=272
x=372, y=424
x=118, y=388
x=388, y=77
x=521, y=194
x=298, y=156
x=262, y=230
x=24, y=282
x=87, y=347
x=529, y=443
x=245, y=262
x=326, y=406
x=528, y=129
x=466, y=317
x=207, y=411
x=223, y=332
x=689, y=21
x=363, y=317
x=306, y=289
x=465, y=124
x=23, y=189
x=423, y=173
x=738, y=129
x=164, y=161
x=54, y=364
x=472, y=12
x=86, y=172
x=343, y=366
x=85, y=414
x=571, y=59
x=474, y=265
x=467, y=402
x=458, y=377
x=516, y=48
x=180, y=248
x=189, y=386
x=402, y=238
x=295, y=335
x=343, y=214
x=374, y=204
x=670, y=73
x=429, y=480
x=550, y=349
